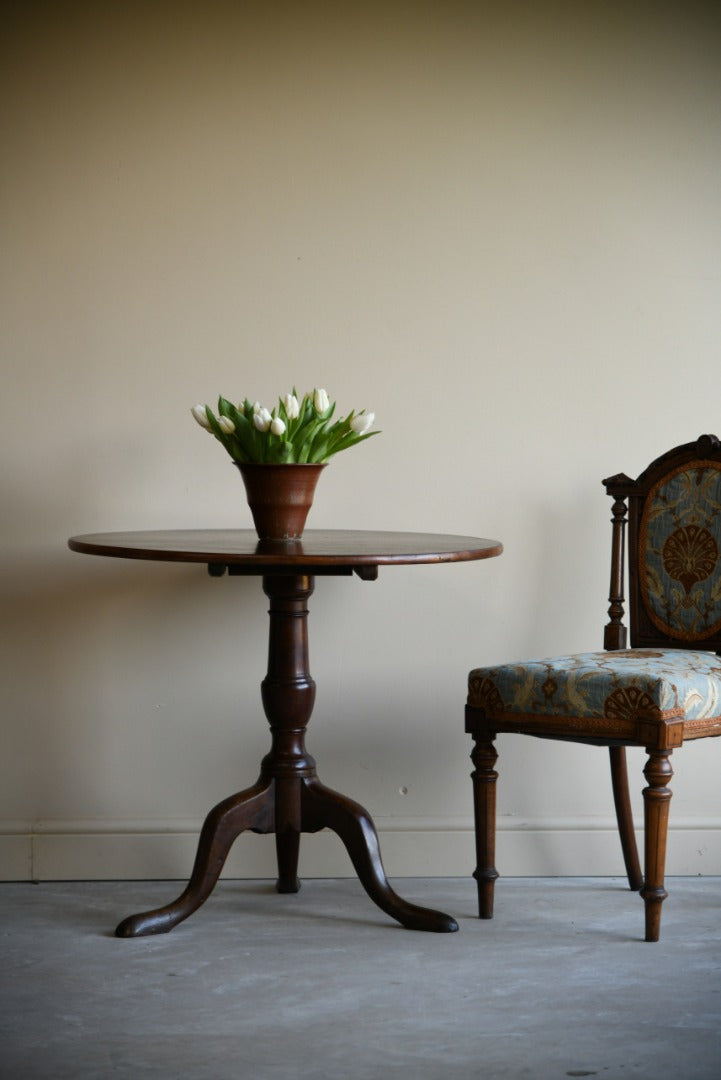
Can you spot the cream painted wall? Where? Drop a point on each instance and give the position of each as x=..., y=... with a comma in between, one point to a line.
x=498, y=226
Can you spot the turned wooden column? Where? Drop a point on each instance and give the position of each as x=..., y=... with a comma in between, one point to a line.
x=614, y=635
x=484, y=778
x=288, y=695
x=656, y=802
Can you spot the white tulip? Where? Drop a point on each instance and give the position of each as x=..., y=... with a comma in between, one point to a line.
x=292, y=408
x=226, y=425
x=262, y=419
x=321, y=402
x=362, y=422
x=277, y=426
x=201, y=416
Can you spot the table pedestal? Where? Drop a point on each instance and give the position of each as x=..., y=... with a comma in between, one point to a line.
x=288, y=798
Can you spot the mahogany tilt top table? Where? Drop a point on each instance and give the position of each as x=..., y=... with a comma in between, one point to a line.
x=288, y=798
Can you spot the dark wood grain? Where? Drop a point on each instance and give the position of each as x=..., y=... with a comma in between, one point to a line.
x=319, y=547
x=288, y=799
x=644, y=727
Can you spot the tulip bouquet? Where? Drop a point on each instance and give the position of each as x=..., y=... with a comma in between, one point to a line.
x=295, y=432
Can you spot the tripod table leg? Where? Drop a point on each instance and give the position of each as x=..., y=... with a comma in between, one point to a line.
x=250, y=809
x=324, y=808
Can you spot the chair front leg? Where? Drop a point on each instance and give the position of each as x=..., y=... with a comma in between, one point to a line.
x=656, y=801
x=484, y=778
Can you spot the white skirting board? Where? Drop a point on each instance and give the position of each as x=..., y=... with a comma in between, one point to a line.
x=412, y=847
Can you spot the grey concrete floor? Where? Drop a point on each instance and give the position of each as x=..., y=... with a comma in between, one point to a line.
x=324, y=985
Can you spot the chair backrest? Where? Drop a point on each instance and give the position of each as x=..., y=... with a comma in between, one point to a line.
x=673, y=511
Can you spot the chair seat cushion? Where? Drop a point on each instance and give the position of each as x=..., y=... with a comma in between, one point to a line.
x=625, y=685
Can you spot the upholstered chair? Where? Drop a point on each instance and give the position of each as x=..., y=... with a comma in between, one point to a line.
x=658, y=693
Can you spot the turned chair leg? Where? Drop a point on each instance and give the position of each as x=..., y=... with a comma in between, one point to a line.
x=624, y=818
x=656, y=800
x=484, y=778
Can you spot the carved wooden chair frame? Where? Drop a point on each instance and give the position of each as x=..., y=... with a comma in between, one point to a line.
x=660, y=739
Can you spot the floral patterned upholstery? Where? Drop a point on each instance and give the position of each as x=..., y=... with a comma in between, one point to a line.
x=659, y=694
x=652, y=684
x=680, y=552
x=679, y=571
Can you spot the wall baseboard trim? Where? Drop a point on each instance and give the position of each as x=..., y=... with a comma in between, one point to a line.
x=411, y=847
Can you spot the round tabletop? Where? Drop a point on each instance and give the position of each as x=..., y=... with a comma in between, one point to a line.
x=319, y=548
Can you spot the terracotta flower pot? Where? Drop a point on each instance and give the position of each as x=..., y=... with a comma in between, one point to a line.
x=279, y=497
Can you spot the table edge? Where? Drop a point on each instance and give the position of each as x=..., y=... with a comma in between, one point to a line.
x=91, y=544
